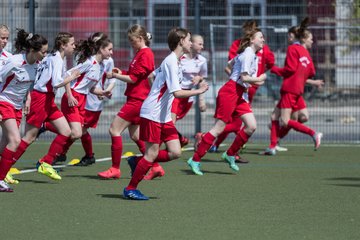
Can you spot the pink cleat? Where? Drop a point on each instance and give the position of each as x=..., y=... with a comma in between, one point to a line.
x=110, y=173
x=155, y=172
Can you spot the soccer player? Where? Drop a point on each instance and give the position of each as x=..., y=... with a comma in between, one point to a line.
x=93, y=108
x=194, y=67
x=17, y=76
x=90, y=54
x=156, y=125
x=232, y=100
x=137, y=89
x=4, y=55
x=298, y=70
x=49, y=77
x=265, y=62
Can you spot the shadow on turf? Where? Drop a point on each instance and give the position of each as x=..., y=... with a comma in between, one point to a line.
x=348, y=179
x=36, y=181
x=94, y=177
x=189, y=172
x=120, y=196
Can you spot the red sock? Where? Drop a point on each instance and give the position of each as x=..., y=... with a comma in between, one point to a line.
x=204, y=145
x=163, y=156
x=50, y=127
x=274, y=133
x=86, y=141
x=21, y=149
x=283, y=131
x=6, y=162
x=142, y=168
x=234, y=126
x=301, y=128
x=141, y=146
x=56, y=148
x=239, y=141
x=116, y=151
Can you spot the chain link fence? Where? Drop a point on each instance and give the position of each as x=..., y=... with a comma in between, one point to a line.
x=335, y=25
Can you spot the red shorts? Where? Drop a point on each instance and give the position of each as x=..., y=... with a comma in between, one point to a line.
x=242, y=108
x=228, y=100
x=77, y=113
x=42, y=109
x=155, y=132
x=91, y=118
x=181, y=106
x=293, y=101
x=8, y=111
x=131, y=111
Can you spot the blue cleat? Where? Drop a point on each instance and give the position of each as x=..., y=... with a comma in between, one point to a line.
x=134, y=195
x=132, y=163
x=231, y=161
x=213, y=149
x=195, y=167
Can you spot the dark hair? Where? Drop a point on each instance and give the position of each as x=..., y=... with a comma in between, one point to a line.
x=248, y=26
x=86, y=48
x=26, y=41
x=62, y=38
x=139, y=31
x=293, y=30
x=302, y=31
x=175, y=35
x=245, y=41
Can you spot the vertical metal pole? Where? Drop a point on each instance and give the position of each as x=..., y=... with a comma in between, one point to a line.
x=197, y=30
x=32, y=16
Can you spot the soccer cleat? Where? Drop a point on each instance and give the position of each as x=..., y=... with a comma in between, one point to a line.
x=184, y=141
x=231, y=161
x=48, y=170
x=59, y=158
x=239, y=159
x=132, y=162
x=42, y=129
x=195, y=167
x=269, y=152
x=198, y=138
x=317, y=140
x=110, y=173
x=213, y=149
x=4, y=187
x=86, y=161
x=280, y=149
x=155, y=172
x=134, y=195
x=10, y=180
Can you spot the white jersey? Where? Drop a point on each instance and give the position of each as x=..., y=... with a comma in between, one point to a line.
x=16, y=78
x=93, y=103
x=192, y=67
x=157, y=106
x=4, y=55
x=245, y=62
x=90, y=74
x=50, y=73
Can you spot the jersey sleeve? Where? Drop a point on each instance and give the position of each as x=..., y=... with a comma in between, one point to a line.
x=6, y=70
x=246, y=64
x=204, y=69
x=269, y=57
x=233, y=49
x=172, y=77
x=82, y=67
x=56, y=67
x=142, y=68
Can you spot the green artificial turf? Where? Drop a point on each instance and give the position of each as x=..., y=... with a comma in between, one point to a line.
x=299, y=194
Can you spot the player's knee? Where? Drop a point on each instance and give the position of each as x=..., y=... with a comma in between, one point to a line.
x=175, y=154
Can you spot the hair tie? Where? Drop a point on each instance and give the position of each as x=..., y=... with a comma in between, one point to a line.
x=149, y=36
x=29, y=37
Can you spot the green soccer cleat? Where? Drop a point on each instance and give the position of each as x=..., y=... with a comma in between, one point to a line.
x=231, y=161
x=49, y=171
x=195, y=167
x=10, y=180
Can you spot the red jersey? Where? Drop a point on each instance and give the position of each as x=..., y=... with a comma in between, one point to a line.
x=265, y=56
x=140, y=67
x=297, y=69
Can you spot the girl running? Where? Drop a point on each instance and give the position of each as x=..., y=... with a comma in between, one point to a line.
x=137, y=90
x=17, y=76
x=156, y=125
x=233, y=101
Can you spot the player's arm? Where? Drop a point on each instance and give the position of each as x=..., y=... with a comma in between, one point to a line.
x=203, y=87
